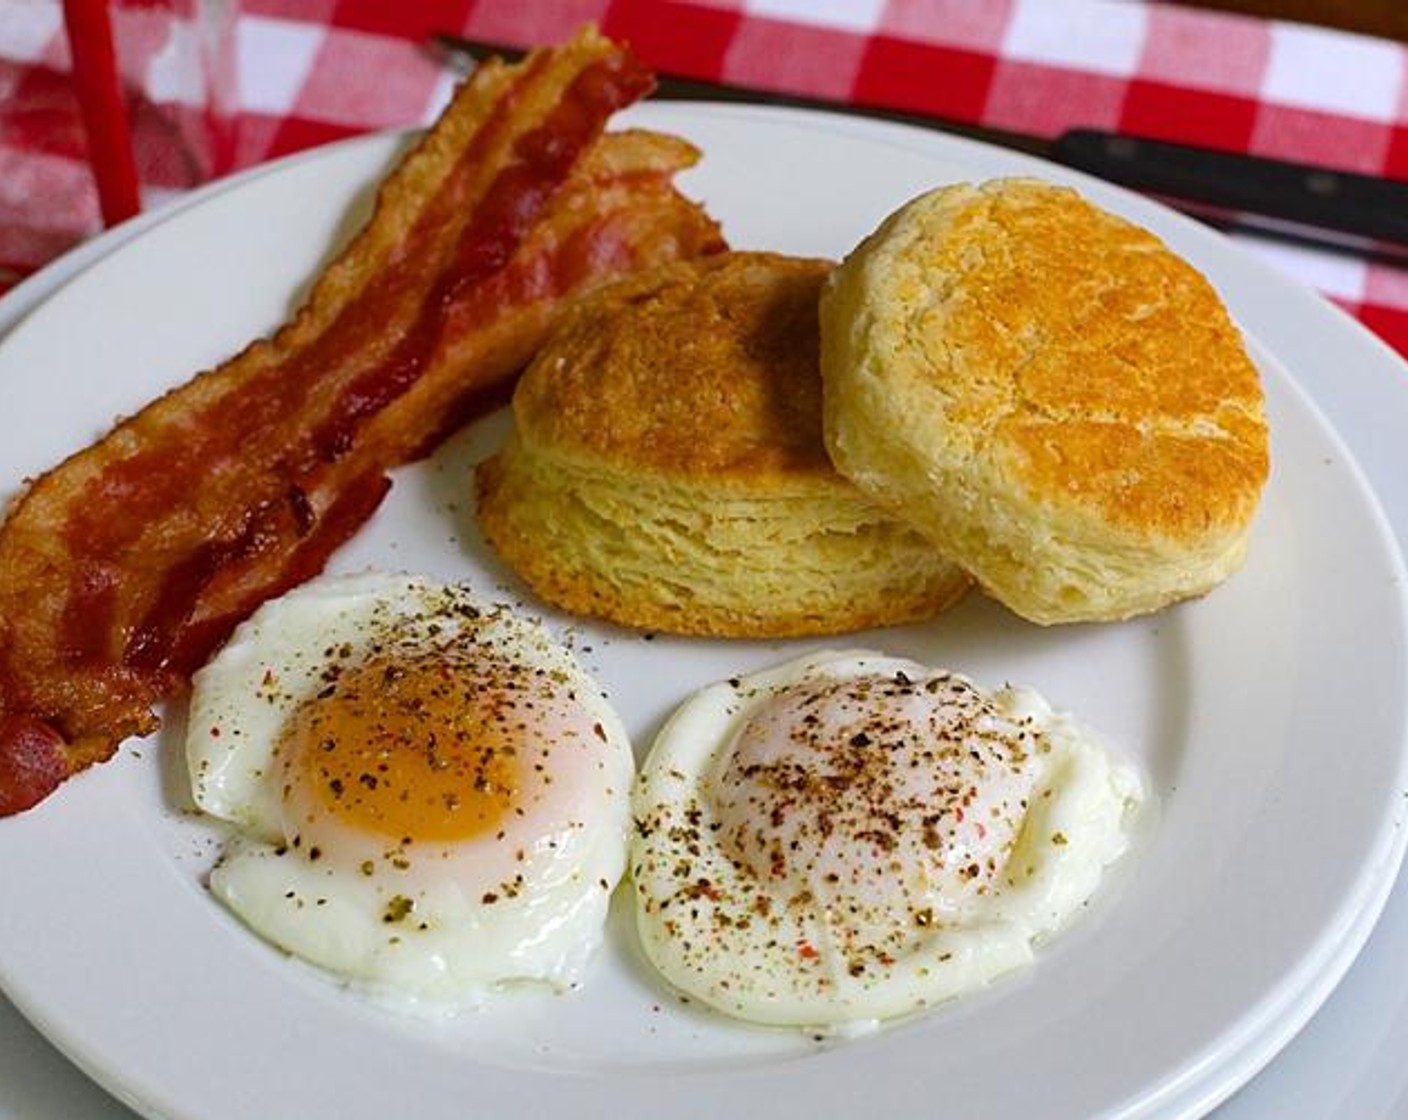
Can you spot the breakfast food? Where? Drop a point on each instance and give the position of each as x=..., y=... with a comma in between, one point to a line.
x=666, y=469
x=123, y=567
x=1055, y=398
x=432, y=797
x=852, y=837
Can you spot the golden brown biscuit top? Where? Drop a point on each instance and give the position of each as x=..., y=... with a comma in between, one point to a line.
x=705, y=366
x=1078, y=350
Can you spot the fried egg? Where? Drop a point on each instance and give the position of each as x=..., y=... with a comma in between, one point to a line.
x=851, y=837
x=430, y=796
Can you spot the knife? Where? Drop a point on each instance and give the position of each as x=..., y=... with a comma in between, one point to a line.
x=1321, y=206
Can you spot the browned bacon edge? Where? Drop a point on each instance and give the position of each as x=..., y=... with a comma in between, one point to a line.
x=122, y=568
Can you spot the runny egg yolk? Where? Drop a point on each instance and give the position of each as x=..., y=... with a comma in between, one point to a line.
x=424, y=749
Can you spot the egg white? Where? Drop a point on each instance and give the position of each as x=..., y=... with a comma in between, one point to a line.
x=440, y=923
x=768, y=948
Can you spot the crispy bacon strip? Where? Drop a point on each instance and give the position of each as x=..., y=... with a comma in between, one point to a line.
x=121, y=569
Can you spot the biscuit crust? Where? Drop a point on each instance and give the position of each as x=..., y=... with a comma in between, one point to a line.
x=667, y=469
x=1056, y=399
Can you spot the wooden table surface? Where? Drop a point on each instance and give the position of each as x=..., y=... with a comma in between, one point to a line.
x=1388, y=18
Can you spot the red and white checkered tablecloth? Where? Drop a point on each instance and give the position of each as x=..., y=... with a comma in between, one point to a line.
x=311, y=71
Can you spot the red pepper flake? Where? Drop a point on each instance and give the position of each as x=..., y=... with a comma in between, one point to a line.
x=702, y=888
x=807, y=951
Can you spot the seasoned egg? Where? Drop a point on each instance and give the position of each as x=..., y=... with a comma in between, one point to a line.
x=431, y=797
x=852, y=837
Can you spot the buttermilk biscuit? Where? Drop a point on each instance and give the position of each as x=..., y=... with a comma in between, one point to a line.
x=1057, y=400
x=666, y=469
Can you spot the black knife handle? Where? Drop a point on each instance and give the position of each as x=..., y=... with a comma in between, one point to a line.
x=1355, y=205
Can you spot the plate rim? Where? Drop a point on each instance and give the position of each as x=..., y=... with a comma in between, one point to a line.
x=902, y=133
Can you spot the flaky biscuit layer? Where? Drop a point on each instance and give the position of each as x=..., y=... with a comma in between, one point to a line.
x=667, y=469
x=1057, y=400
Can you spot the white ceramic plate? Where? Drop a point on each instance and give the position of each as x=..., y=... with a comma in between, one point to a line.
x=1269, y=717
